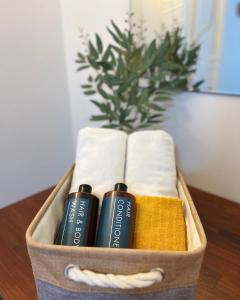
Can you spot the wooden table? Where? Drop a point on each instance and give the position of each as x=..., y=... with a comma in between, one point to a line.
x=16, y=278
x=220, y=275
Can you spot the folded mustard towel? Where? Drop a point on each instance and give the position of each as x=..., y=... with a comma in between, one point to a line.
x=159, y=224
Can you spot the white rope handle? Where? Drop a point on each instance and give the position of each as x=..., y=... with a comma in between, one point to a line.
x=91, y=278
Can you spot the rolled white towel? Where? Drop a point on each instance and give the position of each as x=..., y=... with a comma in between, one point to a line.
x=100, y=159
x=151, y=167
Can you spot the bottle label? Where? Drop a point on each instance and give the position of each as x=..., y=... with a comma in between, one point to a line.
x=115, y=229
x=73, y=227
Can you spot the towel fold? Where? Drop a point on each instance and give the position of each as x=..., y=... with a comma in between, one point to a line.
x=100, y=159
x=151, y=168
x=159, y=224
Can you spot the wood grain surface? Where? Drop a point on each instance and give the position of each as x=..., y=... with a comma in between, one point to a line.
x=220, y=275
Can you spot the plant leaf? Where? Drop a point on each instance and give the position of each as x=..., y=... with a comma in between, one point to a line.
x=118, y=31
x=90, y=92
x=82, y=68
x=90, y=79
x=93, y=51
x=93, y=63
x=102, y=106
x=197, y=85
x=99, y=43
x=99, y=118
x=110, y=126
x=86, y=86
x=107, y=53
x=102, y=92
x=105, y=65
x=156, y=107
x=81, y=56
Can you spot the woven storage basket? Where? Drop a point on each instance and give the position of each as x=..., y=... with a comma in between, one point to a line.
x=51, y=263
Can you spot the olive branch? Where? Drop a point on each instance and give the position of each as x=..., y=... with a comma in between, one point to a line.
x=134, y=79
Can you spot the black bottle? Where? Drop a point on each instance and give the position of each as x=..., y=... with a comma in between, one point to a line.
x=78, y=226
x=116, y=219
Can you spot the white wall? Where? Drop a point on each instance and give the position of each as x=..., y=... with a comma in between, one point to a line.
x=35, y=125
x=206, y=129
x=92, y=16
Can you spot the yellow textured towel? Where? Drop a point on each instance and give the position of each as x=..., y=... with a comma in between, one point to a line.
x=159, y=224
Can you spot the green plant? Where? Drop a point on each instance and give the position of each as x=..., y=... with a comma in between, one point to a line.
x=135, y=80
